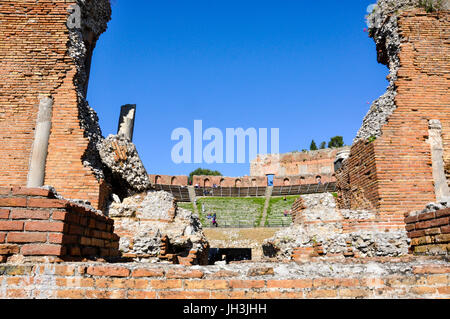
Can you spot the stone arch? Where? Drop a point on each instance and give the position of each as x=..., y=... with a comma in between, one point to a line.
x=206, y=182
x=286, y=182
x=237, y=183
x=222, y=181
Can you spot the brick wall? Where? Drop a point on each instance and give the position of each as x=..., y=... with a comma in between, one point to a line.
x=168, y=180
x=244, y=181
x=297, y=163
x=429, y=232
x=392, y=279
x=34, y=60
x=393, y=173
x=357, y=181
x=34, y=223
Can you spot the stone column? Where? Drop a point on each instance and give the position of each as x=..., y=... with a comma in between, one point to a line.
x=437, y=157
x=36, y=171
x=126, y=121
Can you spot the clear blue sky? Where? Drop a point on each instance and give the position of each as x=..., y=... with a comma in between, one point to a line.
x=305, y=67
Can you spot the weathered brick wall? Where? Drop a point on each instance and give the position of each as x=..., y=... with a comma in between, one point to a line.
x=34, y=60
x=168, y=179
x=224, y=181
x=407, y=278
x=303, y=179
x=429, y=232
x=296, y=211
x=394, y=172
x=357, y=179
x=297, y=163
x=34, y=223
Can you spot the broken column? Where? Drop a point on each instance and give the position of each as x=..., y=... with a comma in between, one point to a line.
x=437, y=152
x=126, y=121
x=36, y=172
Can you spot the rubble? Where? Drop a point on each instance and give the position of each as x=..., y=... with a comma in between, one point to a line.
x=321, y=222
x=121, y=159
x=142, y=221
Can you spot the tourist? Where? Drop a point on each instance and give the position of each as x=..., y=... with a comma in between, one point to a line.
x=319, y=179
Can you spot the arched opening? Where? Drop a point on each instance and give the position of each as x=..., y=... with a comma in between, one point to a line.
x=222, y=180
x=158, y=179
x=238, y=183
x=286, y=182
x=206, y=182
x=253, y=182
x=173, y=181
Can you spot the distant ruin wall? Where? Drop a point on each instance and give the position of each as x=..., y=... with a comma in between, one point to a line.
x=391, y=166
x=306, y=164
x=40, y=56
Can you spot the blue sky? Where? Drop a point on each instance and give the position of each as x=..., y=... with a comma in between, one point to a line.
x=305, y=67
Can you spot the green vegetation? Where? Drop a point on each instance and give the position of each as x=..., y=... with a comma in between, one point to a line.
x=372, y=138
x=430, y=5
x=188, y=206
x=203, y=171
x=232, y=210
x=275, y=212
x=313, y=146
x=337, y=141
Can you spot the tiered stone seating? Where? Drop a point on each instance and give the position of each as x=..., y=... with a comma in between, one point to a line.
x=232, y=212
x=275, y=213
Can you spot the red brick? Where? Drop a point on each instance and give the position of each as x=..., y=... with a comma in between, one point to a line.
x=322, y=293
x=27, y=237
x=30, y=191
x=292, y=283
x=2, y=237
x=30, y=214
x=247, y=284
x=109, y=271
x=206, y=284
x=443, y=212
x=59, y=215
x=431, y=269
x=47, y=203
x=11, y=225
x=45, y=226
x=4, y=213
x=145, y=272
x=71, y=294
x=183, y=295
x=184, y=273
x=426, y=216
x=166, y=284
x=13, y=202
x=132, y=294
x=42, y=250
x=5, y=190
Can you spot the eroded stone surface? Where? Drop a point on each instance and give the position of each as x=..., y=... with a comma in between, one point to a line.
x=321, y=222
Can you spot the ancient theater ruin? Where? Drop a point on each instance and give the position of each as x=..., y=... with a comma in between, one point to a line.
x=81, y=217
